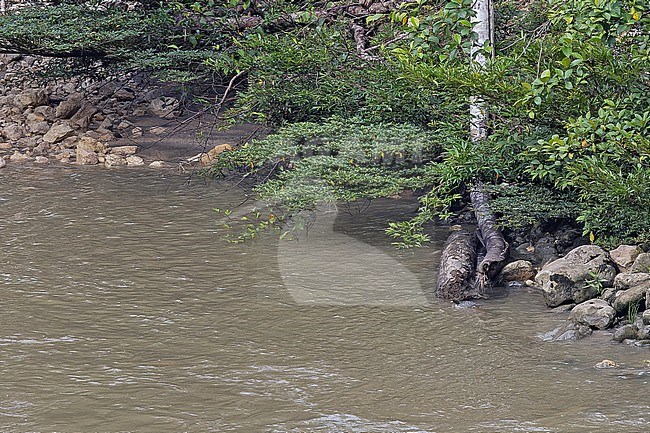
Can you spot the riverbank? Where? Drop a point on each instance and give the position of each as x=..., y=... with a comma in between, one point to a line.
x=127, y=121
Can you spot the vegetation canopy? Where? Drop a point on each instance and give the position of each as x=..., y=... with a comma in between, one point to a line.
x=372, y=97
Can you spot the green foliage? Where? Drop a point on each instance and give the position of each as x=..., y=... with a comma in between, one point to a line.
x=304, y=164
x=632, y=311
x=522, y=206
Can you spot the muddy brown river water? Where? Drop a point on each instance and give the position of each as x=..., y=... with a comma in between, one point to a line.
x=123, y=310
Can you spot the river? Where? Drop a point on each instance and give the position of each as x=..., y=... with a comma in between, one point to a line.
x=123, y=309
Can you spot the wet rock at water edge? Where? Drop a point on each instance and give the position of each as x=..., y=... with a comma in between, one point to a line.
x=625, y=255
x=630, y=289
x=112, y=160
x=594, y=313
x=41, y=160
x=157, y=164
x=566, y=279
x=19, y=157
x=134, y=160
x=2, y=162
x=606, y=363
x=625, y=332
x=567, y=332
x=520, y=270
x=641, y=264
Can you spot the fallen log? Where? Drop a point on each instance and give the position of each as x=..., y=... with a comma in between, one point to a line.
x=496, y=247
x=456, y=275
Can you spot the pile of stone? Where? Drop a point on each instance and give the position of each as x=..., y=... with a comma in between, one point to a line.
x=71, y=122
x=601, y=289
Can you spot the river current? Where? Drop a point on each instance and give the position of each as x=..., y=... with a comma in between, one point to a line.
x=122, y=309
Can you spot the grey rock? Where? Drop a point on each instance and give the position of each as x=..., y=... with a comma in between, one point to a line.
x=58, y=132
x=84, y=115
x=630, y=289
x=112, y=160
x=69, y=107
x=646, y=317
x=520, y=270
x=565, y=280
x=85, y=153
x=124, y=150
x=2, y=162
x=164, y=107
x=625, y=255
x=642, y=263
x=30, y=98
x=625, y=332
x=594, y=313
x=567, y=332
x=13, y=132
x=41, y=160
x=19, y=157
x=134, y=160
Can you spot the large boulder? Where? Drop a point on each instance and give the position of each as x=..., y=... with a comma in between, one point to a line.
x=81, y=119
x=13, y=132
x=641, y=263
x=576, y=277
x=66, y=109
x=58, y=132
x=30, y=98
x=594, y=313
x=625, y=255
x=520, y=270
x=568, y=331
x=630, y=289
x=165, y=107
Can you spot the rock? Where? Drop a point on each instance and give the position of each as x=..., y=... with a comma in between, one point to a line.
x=212, y=154
x=568, y=331
x=608, y=295
x=124, y=94
x=520, y=270
x=85, y=152
x=644, y=332
x=630, y=289
x=2, y=162
x=646, y=317
x=641, y=263
x=136, y=132
x=595, y=313
x=69, y=107
x=58, y=132
x=19, y=157
x=39, y=128
x=157, y=164
x=158, y=130
x=164, y=107
x=625, y=255
x=30, y=98
x=567, y=279
x=41, y=160
x=606, y=363
x=134, y=160
x=625, y=332
x=112, y=160
x=91, y=144
x=5, y=146
x=13, y=132
x=84, y=115
x=124, y=150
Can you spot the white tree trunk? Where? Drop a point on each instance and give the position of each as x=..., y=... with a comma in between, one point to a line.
x=483, y=26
